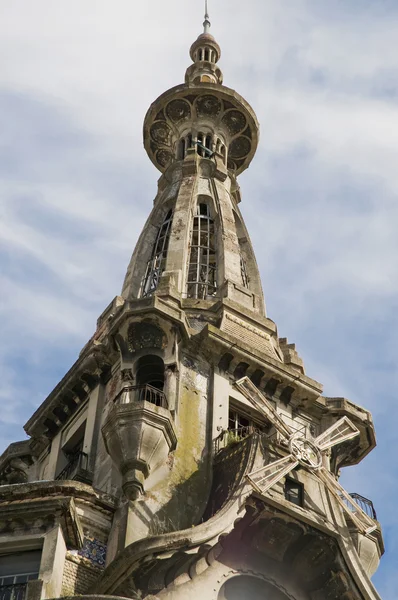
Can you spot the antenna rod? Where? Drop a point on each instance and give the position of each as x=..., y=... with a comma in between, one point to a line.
x=206, y=23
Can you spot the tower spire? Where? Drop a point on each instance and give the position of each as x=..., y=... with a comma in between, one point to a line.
x=206, y=23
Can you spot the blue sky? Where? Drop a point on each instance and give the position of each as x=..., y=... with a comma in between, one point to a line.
x=320, y=198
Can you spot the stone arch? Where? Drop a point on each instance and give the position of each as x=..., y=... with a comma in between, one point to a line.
x=250, y=586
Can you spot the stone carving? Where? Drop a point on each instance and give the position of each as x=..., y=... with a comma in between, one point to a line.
x=163, y=157
x=127, y=375
x=145, y=335
x=208, y=105
x=235, y=121
x=178, y=110
x=160, y=132
x=240, y=147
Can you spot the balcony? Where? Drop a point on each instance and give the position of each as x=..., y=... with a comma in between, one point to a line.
x=142, y=393
x=139, y=434
x=77, y=469
x=365, y=504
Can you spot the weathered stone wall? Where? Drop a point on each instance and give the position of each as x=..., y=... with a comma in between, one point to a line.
x=80, y=576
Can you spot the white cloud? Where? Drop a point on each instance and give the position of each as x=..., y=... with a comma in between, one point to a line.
x=320, y=197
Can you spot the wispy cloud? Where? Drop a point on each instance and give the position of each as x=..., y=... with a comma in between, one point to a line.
x=319, y=199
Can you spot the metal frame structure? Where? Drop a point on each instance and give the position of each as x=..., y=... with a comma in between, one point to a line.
x=202, y=282
x=157, y=262
x=305, y=453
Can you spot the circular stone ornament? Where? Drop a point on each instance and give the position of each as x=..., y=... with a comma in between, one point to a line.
x=240, y=147
x=208, y=106
x=235, y=121
x=305, y=452
x=160, y=132
x=178, y=110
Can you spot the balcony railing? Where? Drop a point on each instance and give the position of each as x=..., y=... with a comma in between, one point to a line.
x=15, y=591
x=76, y=469
x=365, y=504
x=141, y=393
x=228, y=437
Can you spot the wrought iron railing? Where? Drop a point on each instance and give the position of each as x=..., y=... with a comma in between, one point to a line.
x=141, y=393
x=365, y=504
x=77, y=462
x=231, y=436
x=15, y=591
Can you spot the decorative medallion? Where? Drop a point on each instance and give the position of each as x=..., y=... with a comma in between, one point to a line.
x=235, y=121
x=145, y=335
x=94, y=551
x=240, y=147
x=163, y=157
x=160, y=132
x=178, y=110
x=305, y=451
x=208, y=106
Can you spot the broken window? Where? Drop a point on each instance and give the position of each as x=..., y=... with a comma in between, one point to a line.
x=202, y=260
x=157, y=262
x=294, y=491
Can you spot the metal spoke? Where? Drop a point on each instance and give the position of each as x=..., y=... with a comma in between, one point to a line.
x=341, y=431
x=264, y=478
x=364, y=523
x=259, y=401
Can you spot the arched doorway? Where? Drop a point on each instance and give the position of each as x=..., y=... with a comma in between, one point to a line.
x=247, y=587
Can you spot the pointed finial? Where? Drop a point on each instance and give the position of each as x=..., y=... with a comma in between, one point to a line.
x=206, y=23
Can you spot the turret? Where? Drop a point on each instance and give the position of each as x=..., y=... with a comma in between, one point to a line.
x=201, y=135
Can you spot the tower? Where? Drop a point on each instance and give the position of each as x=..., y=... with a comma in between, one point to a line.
x=186, y=453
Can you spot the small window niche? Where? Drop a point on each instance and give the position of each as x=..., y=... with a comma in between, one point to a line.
x=72, y=461
x=150, y=380
x=294, y=491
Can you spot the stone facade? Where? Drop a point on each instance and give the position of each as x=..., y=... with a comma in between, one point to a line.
x=137, y=479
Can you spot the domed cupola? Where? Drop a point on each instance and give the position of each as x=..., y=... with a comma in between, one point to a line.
x=205, y=53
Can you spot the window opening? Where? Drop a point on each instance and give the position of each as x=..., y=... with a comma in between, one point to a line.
x=72, y=461
x=202, y=260
x=181, y=150
x=243, y=272
x=157, y=262
x=207, y=54
x=294, y=491
x=15, y=571
x=203, y=145
x=150, y=380
x=150, y=371
x=242, y=424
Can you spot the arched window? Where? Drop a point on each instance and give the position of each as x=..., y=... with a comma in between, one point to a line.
x=202, y=260
x=157, y=262
x=150, y=380
x=150, y=371
x=181, y=150
x=204, y=144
